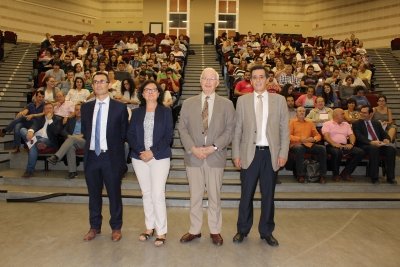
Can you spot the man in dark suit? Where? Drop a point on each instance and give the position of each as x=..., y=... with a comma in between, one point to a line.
x=375, y=142
x=260, y=147
x=73, y=136
x=104, y=126
x=44, y=129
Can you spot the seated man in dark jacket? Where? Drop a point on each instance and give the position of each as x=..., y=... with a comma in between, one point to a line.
x=74, y=140
x=44, y=130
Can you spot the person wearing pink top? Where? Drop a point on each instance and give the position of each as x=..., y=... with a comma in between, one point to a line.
x=307, y=100
x=336, y=133
x=63, y=108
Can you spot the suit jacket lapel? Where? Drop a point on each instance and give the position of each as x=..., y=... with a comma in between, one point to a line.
x=90, y=120
x=216, y=109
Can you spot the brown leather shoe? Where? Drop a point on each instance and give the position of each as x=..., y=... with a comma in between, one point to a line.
x=301, y=179
x=189, y=237
x=346, y=176
x=322, y=180
x=2, y=134
x=15, y=150
x=91, y=234
x=217, y=239
x=336, y=178
x=116, y=235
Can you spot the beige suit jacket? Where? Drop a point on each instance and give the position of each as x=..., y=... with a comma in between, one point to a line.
x=220, y=130
x=277, y=131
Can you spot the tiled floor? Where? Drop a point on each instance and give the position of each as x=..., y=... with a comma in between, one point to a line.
x=45, y=234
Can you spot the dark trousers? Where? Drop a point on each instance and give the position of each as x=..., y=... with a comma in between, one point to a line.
x=374, y=152
x=356, y=153
x=300, y=150
x=261, y=167
x=98, y=169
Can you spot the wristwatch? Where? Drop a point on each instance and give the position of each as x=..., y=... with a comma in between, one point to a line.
x=215, y=147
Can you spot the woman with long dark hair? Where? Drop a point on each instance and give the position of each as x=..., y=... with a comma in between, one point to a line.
x=329, y=96
x=129, y=93
x=149, y=135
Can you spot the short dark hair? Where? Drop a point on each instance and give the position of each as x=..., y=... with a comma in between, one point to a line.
x=258, y=67
x=351, y=100
x=312, y=87
x=39, y=93
x=142, y=73
x=289, y=96
x=370, y=109
x=349, y=77
x=169, y=70
x=159, y=89
x=47, y=103
x=382, y=96
x=97, y=73
x=358, y=88
x=310, y=67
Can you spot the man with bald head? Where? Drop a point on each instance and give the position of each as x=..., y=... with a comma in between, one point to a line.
x=340, y=141
x=206, y=128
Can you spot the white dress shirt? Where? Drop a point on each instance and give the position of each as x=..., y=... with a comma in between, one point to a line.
x=264, y=141
x=104, y=118
x=43, y=132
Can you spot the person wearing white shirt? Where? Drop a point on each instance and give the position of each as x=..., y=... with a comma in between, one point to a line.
x=78, y=94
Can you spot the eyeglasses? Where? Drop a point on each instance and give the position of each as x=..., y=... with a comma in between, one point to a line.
x=100, y=82
x=381, y=100
x=149, y=90
x=209, y=79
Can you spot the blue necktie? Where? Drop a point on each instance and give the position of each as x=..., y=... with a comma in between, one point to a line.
x=97, y=147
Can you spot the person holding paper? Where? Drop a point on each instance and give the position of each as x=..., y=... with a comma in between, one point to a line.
x=383, y=114
x=44, y=129
x=320, y=114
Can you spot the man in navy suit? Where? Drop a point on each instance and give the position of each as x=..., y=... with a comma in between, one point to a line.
x=375, y=142
x=104, y=126
x=45, y=129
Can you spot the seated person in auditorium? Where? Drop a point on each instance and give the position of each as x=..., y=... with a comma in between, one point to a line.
x=46, y=41
x=80, y=42
x=303, y=138
x=102, y=67
x=177, y=53
x=317, y=70
x=250, y=56
x=254, y=44
x=357, y=80
x=162, y=74
x=234, y=59
x=131, y=46
x=326, y=72
x=68, y=84
x=151, y=41
x=74, y=60
x=330, y=97
x=167, y=40
x=356, y=60
x=365, y=75
x=342, y=60
x=336, y=133
x=63, y=108
x=286, y=45
x=152, y=70
x=346, y=90
x=334, y=80
x=360, y=98
x=307, y=100
x=310, y=79
x=136, y=62
x=270, y=62
x=290, y=105
x=344, y=71
x=244, y=87
x=73, y=140
x=226, y=47
x=98, y=47
x=320, y=114
x=24, y=119
x=67, y=66
x=287, y=57
x=78, y=94
x=172, y=83
x=56, y=59
x=350, y=114
x=375, y=142
x=272, y=85
x=57, y=73
x=141, y=78
x=383, y=114
x=257, y=61
x=45, y=129
x=288, y=77
x=49, y=88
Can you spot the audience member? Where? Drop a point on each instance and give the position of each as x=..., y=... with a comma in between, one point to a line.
x=358, y=95
x=351, y=115
x=375, y=142
x=78, y=94
x=56, y=73
x=245, y=86
x=129, y=93
x=290, y=105
x=303, y=138
x=316, y=69
x=339, y=141
x=320, y=114
x=330, y=97
x=288, y=77
x=307, y=100
x=383, y=114
x=309, y=79
x=49, y=89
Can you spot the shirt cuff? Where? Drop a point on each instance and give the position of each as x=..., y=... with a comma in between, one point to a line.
x=30, y=130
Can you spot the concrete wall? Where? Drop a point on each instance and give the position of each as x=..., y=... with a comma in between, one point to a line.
x=201, y=11
x=250, y=16
x=33, y=18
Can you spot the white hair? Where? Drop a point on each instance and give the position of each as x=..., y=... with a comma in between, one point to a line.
x=206, y=69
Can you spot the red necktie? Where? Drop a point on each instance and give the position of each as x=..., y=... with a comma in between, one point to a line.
x=371, y=132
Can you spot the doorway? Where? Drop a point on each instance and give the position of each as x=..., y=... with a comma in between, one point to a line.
x=156, y=27
x=209, y=33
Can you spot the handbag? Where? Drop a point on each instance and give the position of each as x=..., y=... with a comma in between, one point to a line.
x=311, y=169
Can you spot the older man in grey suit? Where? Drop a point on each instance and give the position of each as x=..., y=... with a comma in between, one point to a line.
x=206, y=127
x=260, y=147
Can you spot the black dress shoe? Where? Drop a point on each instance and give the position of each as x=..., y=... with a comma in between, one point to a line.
x=375, y=181
x=278, y=181
x=71, y=175
x=238, y=238
x=391, y=181
x=270, y=240
x=53, y=159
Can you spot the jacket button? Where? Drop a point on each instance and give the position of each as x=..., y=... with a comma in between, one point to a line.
x=254, y=143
